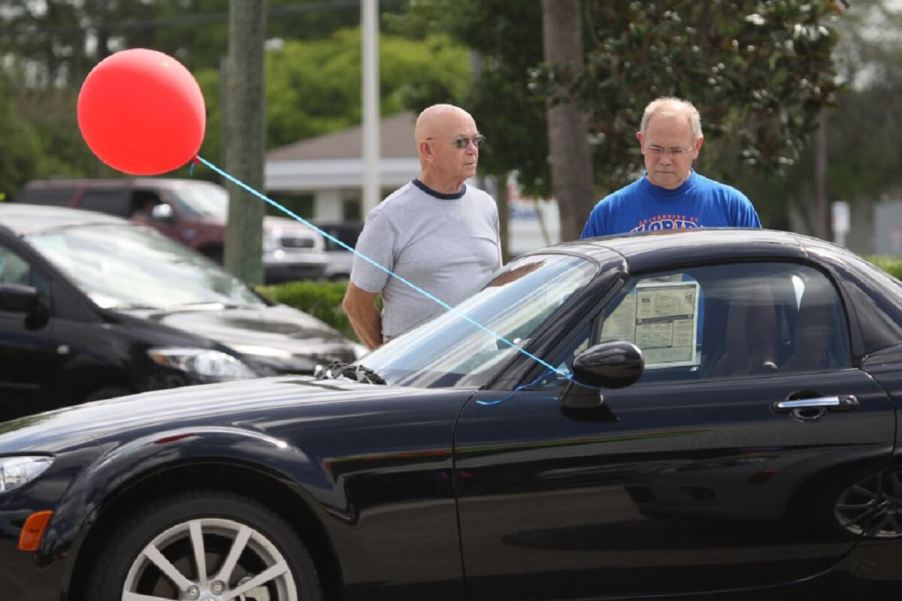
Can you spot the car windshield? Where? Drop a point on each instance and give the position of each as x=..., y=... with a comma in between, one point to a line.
x=202, y=200
x=452, y=351
x=130, y=266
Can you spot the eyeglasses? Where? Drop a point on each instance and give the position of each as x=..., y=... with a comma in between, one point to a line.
x=673, y=151
x=462, y=142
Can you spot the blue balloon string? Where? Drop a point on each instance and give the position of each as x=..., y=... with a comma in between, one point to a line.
x=542, y=375
x=407, y=282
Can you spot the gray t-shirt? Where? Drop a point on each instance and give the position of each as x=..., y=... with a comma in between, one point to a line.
x=447, y=244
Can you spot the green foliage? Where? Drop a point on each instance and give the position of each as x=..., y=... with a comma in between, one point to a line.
x=57, y=37
x=320, y=299
x=313, y=77
x=507, y=37
x=758, y=72
x=313, y=87
x=891, y=265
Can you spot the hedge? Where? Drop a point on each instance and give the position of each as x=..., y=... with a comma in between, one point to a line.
x=318, y=298
x=891, y=265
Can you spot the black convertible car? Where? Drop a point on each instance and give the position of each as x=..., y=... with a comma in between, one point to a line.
x=708, y=412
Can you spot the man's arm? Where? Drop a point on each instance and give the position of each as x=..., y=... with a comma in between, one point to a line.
x=360, y=306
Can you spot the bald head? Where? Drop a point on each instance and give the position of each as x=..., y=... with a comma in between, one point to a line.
x=436, y=120
x=445, y=162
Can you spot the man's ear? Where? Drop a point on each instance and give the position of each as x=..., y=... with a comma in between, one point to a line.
x=640, y=137
x=697, y=147
x=426, y=150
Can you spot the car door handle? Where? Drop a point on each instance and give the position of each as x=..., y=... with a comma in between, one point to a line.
x=843, y=402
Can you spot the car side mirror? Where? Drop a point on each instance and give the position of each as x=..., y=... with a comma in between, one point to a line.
x=18, y=298
x=162, y=212
x=607, y=365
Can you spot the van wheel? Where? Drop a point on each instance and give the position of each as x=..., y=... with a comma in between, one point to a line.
x=204, y=545
x=214, y=253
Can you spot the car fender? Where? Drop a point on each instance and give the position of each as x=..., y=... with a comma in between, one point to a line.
x=127, y=466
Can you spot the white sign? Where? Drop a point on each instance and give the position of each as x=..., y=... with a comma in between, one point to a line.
x=661, y=318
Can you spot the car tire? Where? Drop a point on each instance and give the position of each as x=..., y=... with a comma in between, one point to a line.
x=249, y=553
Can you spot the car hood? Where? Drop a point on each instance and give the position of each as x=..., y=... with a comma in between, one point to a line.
x=245, y=404
x=275, y=339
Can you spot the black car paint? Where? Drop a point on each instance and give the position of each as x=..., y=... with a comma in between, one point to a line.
x=78, y=348
x=548, y=503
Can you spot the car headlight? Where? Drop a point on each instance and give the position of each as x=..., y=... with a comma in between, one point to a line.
x=16, y=471
x=206, y=363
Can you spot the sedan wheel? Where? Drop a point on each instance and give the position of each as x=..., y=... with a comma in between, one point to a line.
x=209, y=547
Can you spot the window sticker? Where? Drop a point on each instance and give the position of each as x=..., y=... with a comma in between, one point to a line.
x=661, y=318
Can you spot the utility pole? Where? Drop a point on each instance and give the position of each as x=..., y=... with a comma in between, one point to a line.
x=369, y=25
x=244, y=138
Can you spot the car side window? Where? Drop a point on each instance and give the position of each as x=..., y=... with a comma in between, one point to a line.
x=741, y=319
x=16, y=270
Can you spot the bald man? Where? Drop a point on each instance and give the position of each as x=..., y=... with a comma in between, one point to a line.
x=435, y=231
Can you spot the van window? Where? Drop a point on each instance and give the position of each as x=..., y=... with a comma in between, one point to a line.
x=113, y=202
x=54, y=197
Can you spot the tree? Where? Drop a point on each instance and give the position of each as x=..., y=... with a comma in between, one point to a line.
x=245, y=138
x=571, y=170
x=863, y=153
x=62, y=40
x=313, y=87
x=759, y=72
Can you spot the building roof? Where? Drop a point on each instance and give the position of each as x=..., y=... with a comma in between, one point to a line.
x=395, y=139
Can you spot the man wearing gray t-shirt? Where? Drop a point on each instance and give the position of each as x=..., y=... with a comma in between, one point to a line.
x=435, y=231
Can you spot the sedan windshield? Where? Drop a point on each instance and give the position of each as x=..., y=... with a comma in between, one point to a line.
x=129, y=266
x=451, y=351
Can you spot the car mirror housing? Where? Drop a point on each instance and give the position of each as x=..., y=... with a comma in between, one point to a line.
x=162, y=212
x=609, y=365
x=18, y=297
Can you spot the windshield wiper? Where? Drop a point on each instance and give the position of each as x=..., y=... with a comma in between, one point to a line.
x=365, y=374
x=358, y=373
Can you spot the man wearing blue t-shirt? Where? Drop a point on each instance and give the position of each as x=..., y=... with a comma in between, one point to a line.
x=670, y=195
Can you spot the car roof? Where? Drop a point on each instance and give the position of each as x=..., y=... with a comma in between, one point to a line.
x=25, y=219
x=120, y=182
x=654, y=250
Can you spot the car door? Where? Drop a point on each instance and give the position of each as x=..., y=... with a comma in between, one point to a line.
x=728, y=465
x=29, y=355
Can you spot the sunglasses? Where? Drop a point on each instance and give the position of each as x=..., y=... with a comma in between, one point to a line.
x=462, y=142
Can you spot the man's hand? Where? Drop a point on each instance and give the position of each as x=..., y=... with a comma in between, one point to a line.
x=365, y=319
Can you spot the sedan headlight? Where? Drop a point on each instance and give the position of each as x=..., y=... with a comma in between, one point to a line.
x=205, y=363
x=16, y=471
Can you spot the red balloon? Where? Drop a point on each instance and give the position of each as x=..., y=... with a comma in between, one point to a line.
x=141, y=111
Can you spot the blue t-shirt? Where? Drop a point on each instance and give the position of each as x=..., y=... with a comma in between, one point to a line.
x=644, y=207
